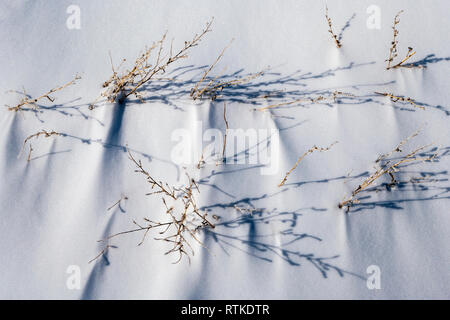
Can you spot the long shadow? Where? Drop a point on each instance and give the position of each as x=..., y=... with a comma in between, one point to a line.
x=50, y=154
x=269, y=246
x=345, y=27
x=241, y=156
x=119, y=147
x=259, y=91
x=263, y=246
x=421, y=183
x=409, y=186
x=321, y=181
x=429, y=59
x=266, y=247
x=67, y=109
x=207, y=180
x=361, y=99
x=98, y=271
x=264, y=91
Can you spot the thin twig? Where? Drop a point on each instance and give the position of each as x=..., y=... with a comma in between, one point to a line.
x=180, y=222
x=120, y=87
x=330, y=30
x=321, y=98
x=393, y=52
x=36, y=135
x=226, y=131
x=388, y=168
x=314, y=148
x=195, y=91
x=395, y=98
x=118, y=202
x=33, y=101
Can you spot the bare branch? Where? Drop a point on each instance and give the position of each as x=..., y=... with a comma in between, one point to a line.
x=330, y=30
x=314, y=148
x=395, y=98
x=33, y=101
x=36, y=135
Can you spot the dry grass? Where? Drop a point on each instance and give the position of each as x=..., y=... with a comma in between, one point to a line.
x=214, y=86
x=314, y=148
x=118, y=202
x=389, y=167
x=330, y=29
x=124, y=84
x=246, y=210
x=44, y=133
x=393, y=52
x=33, y=102
x=310, y=100
x=395, y=98
x=196, y=91
x=182, y=225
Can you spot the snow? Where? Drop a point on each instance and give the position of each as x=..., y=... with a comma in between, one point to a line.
x=54, y=207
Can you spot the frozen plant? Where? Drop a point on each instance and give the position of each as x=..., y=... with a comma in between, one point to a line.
x=185, y=218
x=32, y=102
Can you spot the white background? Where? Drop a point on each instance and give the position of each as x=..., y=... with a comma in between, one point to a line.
x=53, y=208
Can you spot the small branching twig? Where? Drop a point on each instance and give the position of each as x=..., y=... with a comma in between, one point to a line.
x=183, y=224
x=29, y=153
x=333, y=97
x=122, y=198
x=398, y=147
x=338, y=94
x=213, y=86
x=161, y=187
x=395, y=98
x=196, y=92
x=226, y=131
x=393, y=52
x=201, y=162
x=408, y=55
x=314, y=148
x=44, y=133
x=121, y=86
x=249, y=210
x=389, y=168
x=29, y=101
x=330, y=30
x=213, y=89
x=104, y=251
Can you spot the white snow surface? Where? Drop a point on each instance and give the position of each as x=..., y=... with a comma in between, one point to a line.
x=54, y=207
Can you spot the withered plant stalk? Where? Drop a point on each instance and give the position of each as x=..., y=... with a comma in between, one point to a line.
x=395, y=98
x=226, y=131
x=321, y=98
x=393, y=52
x=196, y=92
x=314, y=148
x=388, y=168
x=184, y=223
x=26, y=101
x=122, y=198
x=330, y=30
x=44, y=133
x=214, y=86
x=121, y=86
